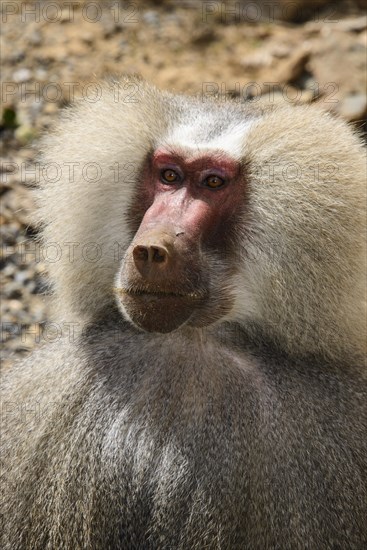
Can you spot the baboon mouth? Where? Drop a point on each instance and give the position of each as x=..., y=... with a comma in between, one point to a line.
x=159, y=309
x=159, y=293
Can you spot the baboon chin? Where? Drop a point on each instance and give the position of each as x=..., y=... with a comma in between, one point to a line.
x=216, y=394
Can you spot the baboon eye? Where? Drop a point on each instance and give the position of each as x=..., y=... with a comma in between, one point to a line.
x=169, y=176
x=213, y=182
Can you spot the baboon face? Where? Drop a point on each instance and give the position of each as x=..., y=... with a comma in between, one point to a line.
x=183, y=216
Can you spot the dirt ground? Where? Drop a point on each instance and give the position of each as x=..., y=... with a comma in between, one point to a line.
x=53, y=52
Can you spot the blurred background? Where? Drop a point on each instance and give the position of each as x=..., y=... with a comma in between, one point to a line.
x=54, y=52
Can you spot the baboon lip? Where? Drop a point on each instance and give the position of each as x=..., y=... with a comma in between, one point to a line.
x=159, y=293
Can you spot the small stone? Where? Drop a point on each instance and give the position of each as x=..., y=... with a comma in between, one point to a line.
x=87, y=37
x=25, y=134
x=353, y=107
x=35, y=38
x=23, y=277
x=203, y=36
x=13, y=291
x=15, y=306
x=108, y=25
x=51, y=108
x=151, y=17
x=9, y=270
x=16, y=56
x=22, y=75
x=257, y=60
x=41, y=75
x=280, y=51
x=65, y=16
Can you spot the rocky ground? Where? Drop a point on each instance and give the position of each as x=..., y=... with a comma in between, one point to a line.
x=53, y=52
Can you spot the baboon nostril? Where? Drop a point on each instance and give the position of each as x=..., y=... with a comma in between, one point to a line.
x=159, y=254
x=141, y=253
x=146, y=255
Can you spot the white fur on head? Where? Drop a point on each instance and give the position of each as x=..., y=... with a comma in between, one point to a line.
x=303, y=254
x=304, y=261
x=108, y=140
